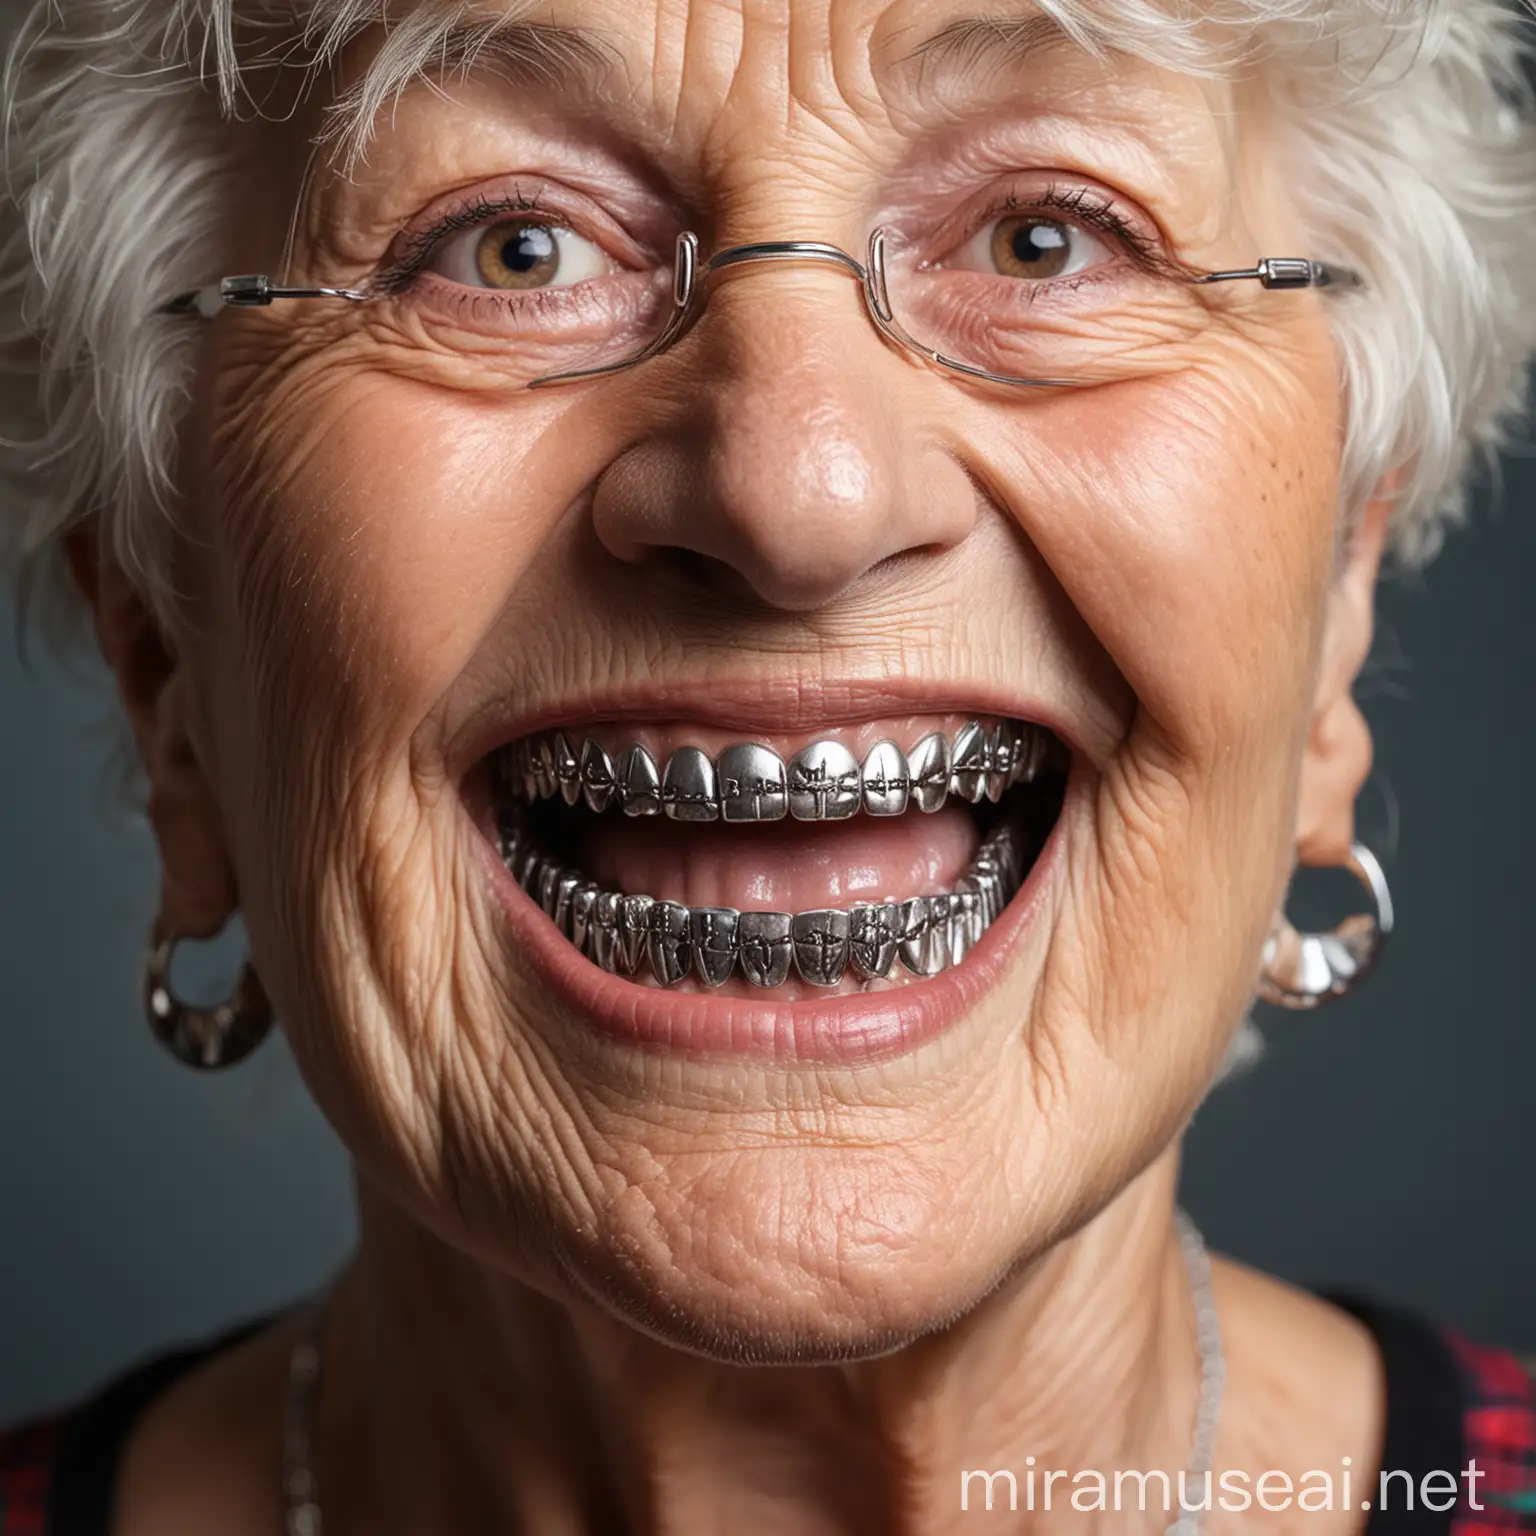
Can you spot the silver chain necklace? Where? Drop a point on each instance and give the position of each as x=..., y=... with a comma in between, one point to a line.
x=301, y=1488
x=1213, y=1374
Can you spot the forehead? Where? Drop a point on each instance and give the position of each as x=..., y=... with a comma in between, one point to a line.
x=817, y=49
x=702, y=62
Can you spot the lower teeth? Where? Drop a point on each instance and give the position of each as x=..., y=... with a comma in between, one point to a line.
x=625, y=935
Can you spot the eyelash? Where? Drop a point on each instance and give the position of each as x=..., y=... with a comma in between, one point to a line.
x=406, y=265
x=1097, y=209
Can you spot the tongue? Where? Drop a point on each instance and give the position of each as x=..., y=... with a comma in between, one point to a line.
x=781, y=866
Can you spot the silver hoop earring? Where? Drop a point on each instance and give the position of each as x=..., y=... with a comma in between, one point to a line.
x=1304, y=970
x=205, y=1038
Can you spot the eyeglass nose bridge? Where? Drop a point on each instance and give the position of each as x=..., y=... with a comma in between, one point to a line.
x=689, y=275
x=785, y=250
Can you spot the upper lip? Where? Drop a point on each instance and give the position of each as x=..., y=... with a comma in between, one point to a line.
x=754, y=707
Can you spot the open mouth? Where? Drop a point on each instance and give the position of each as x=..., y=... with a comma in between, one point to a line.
x=853, y=864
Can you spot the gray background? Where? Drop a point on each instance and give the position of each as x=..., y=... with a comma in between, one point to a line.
x=1385, y=1143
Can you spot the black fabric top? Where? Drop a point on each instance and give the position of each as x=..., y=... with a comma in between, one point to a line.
x=73, y=1483
x=91, y=1445
x=1426, y=1405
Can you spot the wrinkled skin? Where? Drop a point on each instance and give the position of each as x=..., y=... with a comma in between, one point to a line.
x=386, y=542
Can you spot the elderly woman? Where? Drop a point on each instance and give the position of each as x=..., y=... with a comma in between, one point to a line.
x=755, y=603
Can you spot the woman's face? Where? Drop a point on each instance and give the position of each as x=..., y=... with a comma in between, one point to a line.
x=784, y=530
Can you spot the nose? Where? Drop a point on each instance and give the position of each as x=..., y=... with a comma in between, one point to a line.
x=797, y=460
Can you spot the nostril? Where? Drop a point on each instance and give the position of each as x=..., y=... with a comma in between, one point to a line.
x=753, y=579
x=712, y=589
x=709, y=573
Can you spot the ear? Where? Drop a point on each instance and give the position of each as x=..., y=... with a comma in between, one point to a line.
x=198, y=894
x=1339, y=748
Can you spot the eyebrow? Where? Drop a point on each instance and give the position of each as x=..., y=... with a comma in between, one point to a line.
x=441, y=45
x=992, y=42
x=534, y=51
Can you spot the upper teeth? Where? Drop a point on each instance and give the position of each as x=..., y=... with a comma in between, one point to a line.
x=751, y=782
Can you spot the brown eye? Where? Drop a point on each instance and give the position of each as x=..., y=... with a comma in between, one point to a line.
x=517, y=255
x=520, y=255
x=1032, y=247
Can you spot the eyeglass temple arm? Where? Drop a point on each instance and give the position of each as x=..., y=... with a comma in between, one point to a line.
x=249, y=292
x=1281, y=272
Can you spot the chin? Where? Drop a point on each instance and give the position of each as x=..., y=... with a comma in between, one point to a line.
x=786, y=1315
x=798, y=1259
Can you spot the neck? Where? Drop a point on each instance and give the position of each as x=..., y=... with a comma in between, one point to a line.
x=457, y=1399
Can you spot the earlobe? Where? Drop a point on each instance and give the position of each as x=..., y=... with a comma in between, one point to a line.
x=1339, y=749
x=1338, y=761
x=198, y=892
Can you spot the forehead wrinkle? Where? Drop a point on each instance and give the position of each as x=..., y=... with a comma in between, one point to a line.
x=570, y=52
x=813, y=57
x=852, y=80
x=708, y=47
x=762, y=73
x=715, y=65
x=768, y=70
x=970, y=62
x=762, y=64
x=831, y=85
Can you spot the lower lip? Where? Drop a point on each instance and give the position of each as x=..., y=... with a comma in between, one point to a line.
x=842, y=1031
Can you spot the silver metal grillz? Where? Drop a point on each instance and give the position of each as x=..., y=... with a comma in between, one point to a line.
x=625, y=934
x=636, y=935
x=751, y=782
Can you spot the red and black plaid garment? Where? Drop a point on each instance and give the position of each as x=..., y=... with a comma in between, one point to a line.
x=27, y=1460
x=1450, y=1404
x=1499, y=1432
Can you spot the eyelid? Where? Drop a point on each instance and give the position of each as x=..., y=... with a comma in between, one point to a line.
x=1081, y=200
x=481, y=204
x=1095, y=209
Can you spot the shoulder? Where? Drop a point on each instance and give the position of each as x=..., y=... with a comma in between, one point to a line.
x=28, y=1456
x=1405, y=1395
x=1459, y=1410
x=156, y=1436
x=1498, y=1418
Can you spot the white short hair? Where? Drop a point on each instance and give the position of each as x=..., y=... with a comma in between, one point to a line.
x=1407, y=136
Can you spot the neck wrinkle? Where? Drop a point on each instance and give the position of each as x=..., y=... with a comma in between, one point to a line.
x=458, y=1399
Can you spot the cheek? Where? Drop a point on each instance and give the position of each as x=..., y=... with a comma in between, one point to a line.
x=366, y=532
x=358, y=537
x=1193, y=529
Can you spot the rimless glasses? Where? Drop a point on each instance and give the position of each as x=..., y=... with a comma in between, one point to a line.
x=1025, y=302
